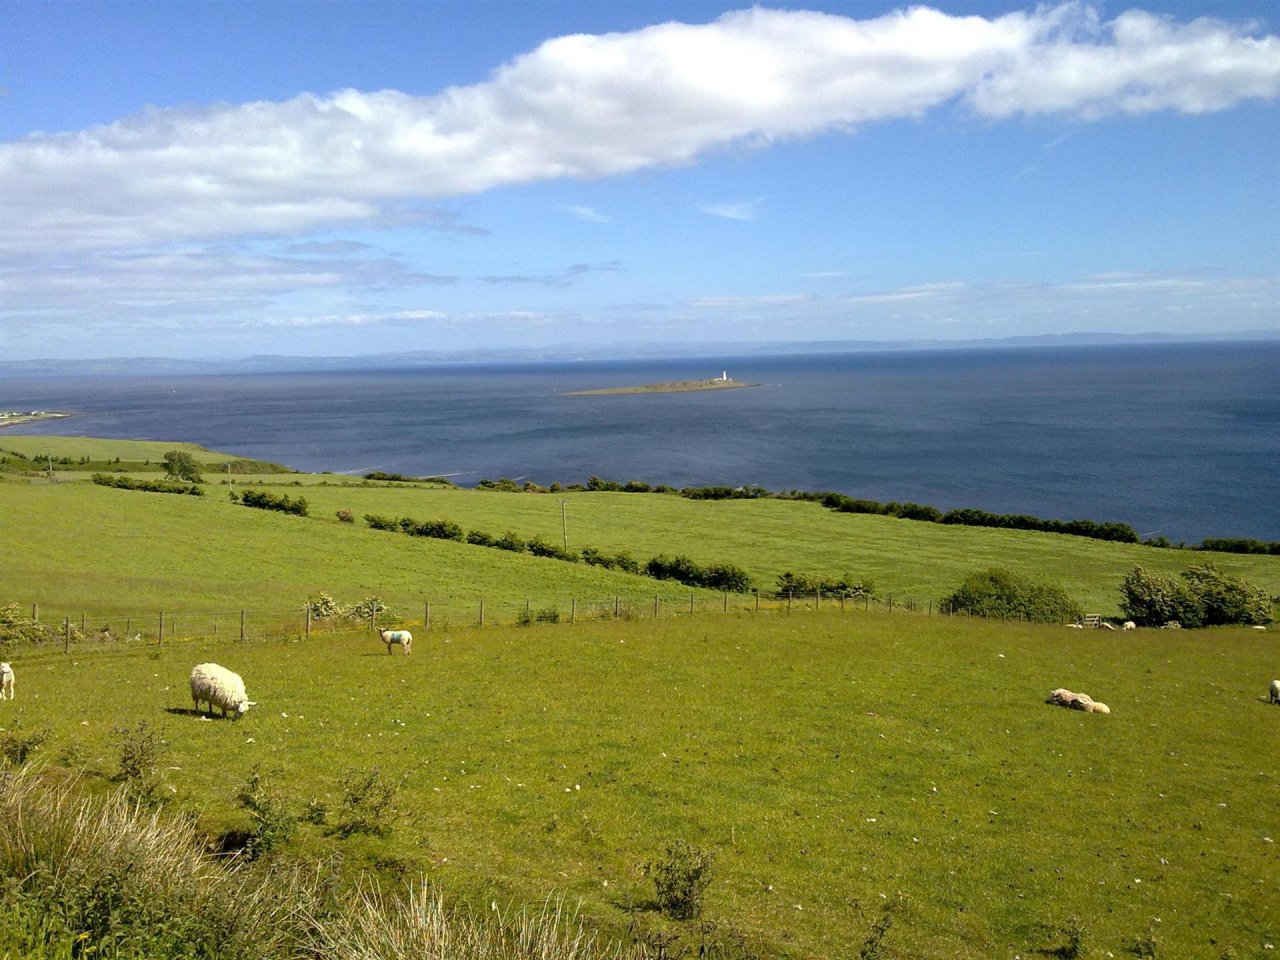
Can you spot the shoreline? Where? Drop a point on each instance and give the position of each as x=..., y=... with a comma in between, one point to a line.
x=10, y=419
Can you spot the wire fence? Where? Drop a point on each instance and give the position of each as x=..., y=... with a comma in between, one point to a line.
x=57, y=624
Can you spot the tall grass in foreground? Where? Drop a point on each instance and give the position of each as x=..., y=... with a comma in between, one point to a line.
x=109, y=877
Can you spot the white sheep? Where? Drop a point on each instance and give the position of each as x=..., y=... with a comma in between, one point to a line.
x=1273, y=696
x=1063, y=697
x=402, y=637
x=219, y=687
x=1103, y=624
x=6, y=682
x=1129, y=625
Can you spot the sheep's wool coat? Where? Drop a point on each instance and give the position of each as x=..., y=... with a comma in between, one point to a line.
x=219, y=687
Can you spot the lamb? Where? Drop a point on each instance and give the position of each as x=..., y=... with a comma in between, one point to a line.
x=219, y=687
x=402, y=637
x=6, y=682
x=1273, y=696
x=1129, y=625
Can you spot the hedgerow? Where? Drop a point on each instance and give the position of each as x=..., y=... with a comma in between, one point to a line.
x=149, y=486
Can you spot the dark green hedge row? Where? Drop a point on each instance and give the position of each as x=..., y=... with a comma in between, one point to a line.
x=150, y=486
x=1239, y=545
x=716, y=576
x=271, y=501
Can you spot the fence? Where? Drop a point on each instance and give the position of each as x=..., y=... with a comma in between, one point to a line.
x=252, y=623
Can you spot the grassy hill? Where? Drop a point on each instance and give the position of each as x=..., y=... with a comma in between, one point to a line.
x=76, y=547
x=843, y=767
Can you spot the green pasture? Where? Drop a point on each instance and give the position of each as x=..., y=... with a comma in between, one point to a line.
x=837, y=764
x=74, y=547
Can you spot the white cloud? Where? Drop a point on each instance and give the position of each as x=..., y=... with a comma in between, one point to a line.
x=737, y=210
x=584, y=213
x=766, y=300
x=598, y=106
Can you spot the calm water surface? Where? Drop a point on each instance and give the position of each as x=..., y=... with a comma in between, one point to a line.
x=1180, y=440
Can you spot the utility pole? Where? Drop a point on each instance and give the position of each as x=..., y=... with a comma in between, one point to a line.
x=564, y=525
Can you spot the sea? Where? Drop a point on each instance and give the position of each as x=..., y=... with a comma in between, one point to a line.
x=1180, y=440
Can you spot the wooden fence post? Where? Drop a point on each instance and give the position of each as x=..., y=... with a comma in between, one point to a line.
x=726, y=601
x=655, y=606
x=573, y=610
x=690, y=601
x=757, y=593
x=160, y=636
x=35, y=612
x=426, y=615
x=66, y=633
x=215, y=626
x=82, y=622
x=788, y=601
x=308, y=609
x=617, y=607
x=482, y=613
x=241, y=626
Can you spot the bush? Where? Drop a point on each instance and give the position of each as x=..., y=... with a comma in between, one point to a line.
x=367, y=804
x=680, y=878
x=378, y=522
x=324, y=607
x=148, y=486
x=346, y=516
x=182, y=466
x=17, y=745
x=140, y=750
x=807, y=585
x=272, y=826
x=1006, y=595
x=540, y=548
x=480, y=539
x=510, y=541
x=1200, y=596
x=436, y=529
x=16, y=628
x=281, y=503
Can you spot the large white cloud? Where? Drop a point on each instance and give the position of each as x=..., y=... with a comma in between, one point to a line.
x=595, y=106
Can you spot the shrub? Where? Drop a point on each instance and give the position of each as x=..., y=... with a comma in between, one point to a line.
x=802, y=584
x=379, y=522
x=680, y=878
x=1200, y=596
x=140, y=749
x=540, y=548
x=272, y=826
x=726, y=577
x=17, y=745
x=346, y=516
x=148, y=486
x=436, y=529
x=278, y=502
x=182, y=466
x=1007, y=595
x=510, y=541
x=324, y=607
x=16, y=628
x=480, y=538
x=367, y=803
x=368, y=608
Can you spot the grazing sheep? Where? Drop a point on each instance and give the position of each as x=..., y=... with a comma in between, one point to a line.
x=402, y=637
x=1075, y=626
x=6, y=682
x=1098, y=707
x=1273, y=695
x=1129, y=625
x=219, y=687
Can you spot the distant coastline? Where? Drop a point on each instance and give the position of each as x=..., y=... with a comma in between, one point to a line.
x=11, y=418
x=673, y=386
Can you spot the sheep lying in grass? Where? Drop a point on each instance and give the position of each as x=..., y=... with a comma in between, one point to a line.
x=1063, y=697
x=6, y=682
x=219, y=687
x=1273, y=695
x=402, y=637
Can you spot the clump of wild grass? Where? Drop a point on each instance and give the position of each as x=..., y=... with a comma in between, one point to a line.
x=421, y=925
x=368, y=803
x=17, y=744
x=119, y=876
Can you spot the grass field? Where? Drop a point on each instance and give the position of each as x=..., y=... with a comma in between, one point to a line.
x=75, y=547
x=834, y=763
x=837, y=763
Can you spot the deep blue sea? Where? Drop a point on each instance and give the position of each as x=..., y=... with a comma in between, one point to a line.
x=1180, y=440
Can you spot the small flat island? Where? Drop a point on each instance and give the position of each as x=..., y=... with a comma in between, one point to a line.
x=10, y=418
x=722, y=382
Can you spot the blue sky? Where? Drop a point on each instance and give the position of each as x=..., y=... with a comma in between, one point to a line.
x=226, y=179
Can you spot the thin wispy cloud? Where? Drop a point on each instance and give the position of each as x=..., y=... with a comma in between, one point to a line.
x=599, y=106
x=584, y=213
x=737, y=210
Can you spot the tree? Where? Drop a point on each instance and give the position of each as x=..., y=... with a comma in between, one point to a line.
x=1008, y=595
x=1201, y=596
x=182, y=466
